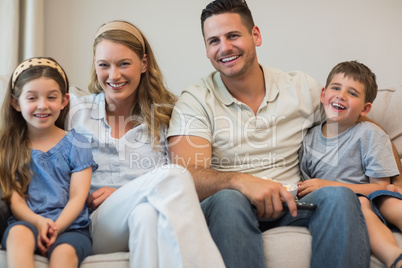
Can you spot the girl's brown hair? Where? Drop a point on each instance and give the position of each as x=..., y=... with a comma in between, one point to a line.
x=15, y=149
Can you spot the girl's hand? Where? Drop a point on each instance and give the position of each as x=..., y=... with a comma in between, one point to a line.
x=47, y=234
x=52, y=234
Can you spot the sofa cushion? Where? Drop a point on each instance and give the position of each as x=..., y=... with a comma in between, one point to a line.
x=115, y=260
x=5, y=213
x=287, y=246
x=386, y=111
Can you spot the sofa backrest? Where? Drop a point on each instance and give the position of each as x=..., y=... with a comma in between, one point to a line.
x=386, y=111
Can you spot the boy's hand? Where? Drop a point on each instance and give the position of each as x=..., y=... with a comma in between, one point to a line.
x=309, y=186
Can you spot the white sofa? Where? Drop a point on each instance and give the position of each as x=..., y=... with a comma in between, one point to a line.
x=284, y=246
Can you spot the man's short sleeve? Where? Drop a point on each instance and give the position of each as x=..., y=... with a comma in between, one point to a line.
x=190, y=117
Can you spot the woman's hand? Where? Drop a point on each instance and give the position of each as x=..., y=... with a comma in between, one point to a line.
x=99, y=196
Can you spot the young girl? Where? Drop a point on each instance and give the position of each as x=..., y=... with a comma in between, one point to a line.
x=45, y=172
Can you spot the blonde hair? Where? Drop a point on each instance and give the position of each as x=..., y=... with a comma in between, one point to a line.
x=15, y=149
x=153, y=101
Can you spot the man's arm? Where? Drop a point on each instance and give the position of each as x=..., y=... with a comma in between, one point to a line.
x=194, y=153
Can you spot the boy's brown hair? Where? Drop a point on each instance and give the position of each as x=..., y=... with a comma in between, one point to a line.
x=358, y=72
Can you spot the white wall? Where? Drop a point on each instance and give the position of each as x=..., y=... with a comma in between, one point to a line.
x=308, y=35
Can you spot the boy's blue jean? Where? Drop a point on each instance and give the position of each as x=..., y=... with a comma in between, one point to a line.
x=338, y=228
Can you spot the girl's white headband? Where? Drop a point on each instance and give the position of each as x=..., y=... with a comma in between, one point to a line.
x=122, y=26
x=29, y=63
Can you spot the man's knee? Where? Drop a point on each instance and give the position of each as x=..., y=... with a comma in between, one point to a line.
x=227, y=204
x=228, y=198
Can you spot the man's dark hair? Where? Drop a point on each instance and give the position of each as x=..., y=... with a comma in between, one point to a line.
x=228, y=6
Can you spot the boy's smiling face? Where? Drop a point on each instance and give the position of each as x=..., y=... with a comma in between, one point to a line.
x=344, y=101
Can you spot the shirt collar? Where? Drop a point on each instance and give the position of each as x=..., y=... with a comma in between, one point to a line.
x=98, y=110
x=271, y=88
x=222, y=92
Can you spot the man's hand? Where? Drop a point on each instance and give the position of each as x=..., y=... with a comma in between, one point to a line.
x=266, y=195
x=99, y=196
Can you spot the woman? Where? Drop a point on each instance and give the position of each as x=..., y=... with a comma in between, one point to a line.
x=141, y=203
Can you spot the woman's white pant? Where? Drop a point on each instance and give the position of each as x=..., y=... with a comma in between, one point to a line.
x=158, y=218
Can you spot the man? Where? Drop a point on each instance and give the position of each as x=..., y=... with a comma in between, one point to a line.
x=243, y=125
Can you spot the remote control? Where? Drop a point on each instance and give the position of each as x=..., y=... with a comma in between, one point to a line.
x=300, y=206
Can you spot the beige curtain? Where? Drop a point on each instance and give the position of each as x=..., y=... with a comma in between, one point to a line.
x=22, y=32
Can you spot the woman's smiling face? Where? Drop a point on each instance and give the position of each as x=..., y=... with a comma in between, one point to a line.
x=119, y=70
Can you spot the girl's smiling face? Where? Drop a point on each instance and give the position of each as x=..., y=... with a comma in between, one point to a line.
x=119, y=70
x=40, y=103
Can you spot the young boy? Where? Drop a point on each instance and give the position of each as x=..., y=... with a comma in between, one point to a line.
x=345, y=151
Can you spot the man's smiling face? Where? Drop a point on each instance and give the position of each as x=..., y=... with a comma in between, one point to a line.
x=229, y=44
